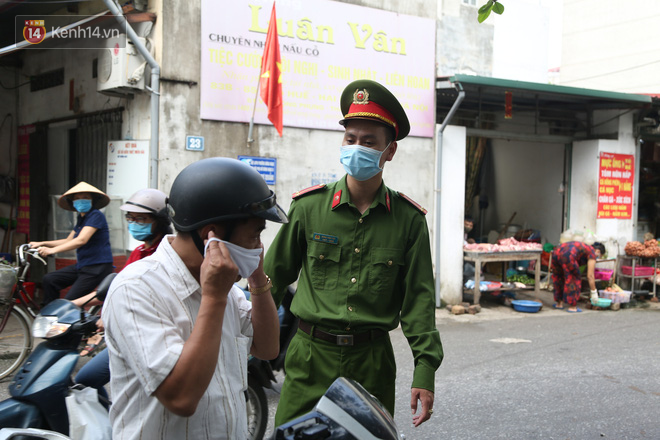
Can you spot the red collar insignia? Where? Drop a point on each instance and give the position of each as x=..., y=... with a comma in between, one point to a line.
x=387, y=201
x=336, y=199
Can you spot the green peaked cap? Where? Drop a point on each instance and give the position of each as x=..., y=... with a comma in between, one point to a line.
x=366, y=99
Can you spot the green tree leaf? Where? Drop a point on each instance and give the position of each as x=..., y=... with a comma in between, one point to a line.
x=487, y=7
x=483, y=16
x=498, y=8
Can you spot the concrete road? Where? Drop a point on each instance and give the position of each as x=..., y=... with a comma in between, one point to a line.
x=548, y=375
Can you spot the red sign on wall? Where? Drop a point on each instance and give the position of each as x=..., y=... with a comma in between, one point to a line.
x=23, y=220
x=616, y=175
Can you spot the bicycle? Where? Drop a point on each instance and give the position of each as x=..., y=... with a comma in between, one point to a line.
x=17, y=311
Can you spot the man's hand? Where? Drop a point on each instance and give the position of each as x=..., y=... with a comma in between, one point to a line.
x=218, y=271
x=258, y=277
x=426, y=398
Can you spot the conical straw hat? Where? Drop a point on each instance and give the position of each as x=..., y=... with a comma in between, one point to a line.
x=99, y=198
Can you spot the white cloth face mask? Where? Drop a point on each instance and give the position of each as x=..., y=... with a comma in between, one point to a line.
x=247, y=260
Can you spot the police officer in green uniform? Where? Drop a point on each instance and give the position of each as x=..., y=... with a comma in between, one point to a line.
x=363, y=254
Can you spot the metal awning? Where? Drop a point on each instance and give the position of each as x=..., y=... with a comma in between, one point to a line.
x=540, y=112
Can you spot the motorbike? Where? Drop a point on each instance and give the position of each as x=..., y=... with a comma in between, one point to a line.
x=260, y=372
x=346, y=411
x=39, y=388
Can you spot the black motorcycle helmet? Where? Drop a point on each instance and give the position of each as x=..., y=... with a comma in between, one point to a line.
x=220, y=189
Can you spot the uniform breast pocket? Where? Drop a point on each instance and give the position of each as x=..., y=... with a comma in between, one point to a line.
x=385, y=267
x=324, y=264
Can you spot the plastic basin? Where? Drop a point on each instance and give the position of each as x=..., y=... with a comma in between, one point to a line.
x=601, y=302
x=526, y=306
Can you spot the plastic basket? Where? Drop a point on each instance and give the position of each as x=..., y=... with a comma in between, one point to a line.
x=640, y=271
x=603, y=274
x=7, y=281
x=616, y=297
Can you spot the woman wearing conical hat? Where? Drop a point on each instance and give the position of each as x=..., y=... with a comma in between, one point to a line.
x=91, y=240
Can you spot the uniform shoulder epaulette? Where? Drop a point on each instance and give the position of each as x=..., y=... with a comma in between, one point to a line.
x=417, y=206
x=309, y=190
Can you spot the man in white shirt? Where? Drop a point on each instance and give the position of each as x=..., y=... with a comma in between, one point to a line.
x=178, y=330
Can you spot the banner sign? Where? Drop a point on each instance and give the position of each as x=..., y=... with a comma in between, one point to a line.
x=324, y=45
x=616, y=176
x=266, y=166
x=128, y=167
x=23, y=211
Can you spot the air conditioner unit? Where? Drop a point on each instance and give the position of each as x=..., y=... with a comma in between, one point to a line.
x=120, y=67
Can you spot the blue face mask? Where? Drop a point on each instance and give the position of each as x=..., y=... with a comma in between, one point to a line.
x=360, y=162
x=140, y=232
x=82, y=205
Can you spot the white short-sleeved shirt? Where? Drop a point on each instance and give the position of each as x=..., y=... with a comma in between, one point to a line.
x=148, y=314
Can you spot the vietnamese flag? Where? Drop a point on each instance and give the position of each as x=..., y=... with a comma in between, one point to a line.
x=271, y=75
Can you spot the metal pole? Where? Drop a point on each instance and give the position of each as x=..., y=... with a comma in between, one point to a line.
x=254, y=108
x=155, y=90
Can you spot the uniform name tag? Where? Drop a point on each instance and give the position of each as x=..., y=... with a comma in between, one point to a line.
x=323, y=238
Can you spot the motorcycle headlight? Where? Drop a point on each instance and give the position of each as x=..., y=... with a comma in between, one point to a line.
x=48, y=327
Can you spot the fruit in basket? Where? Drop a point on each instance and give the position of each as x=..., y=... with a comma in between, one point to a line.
x=651, y=249
x=633, y=248
x=648, y=249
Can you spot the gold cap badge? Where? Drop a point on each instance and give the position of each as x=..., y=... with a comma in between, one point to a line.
x=361, y=96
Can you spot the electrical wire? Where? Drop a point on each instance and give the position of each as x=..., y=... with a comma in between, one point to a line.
x=611, y=73
x=14, y=87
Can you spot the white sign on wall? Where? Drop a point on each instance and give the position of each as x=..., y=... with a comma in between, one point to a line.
x=324, y=45
x=128, y=172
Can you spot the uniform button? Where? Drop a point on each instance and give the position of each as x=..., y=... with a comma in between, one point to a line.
x=357, y=250
x=361, y=221
x=353, y=280
x=321, y=257
x=389, y=263
x=350, y=308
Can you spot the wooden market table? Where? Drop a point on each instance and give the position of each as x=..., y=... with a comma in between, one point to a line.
x=485, y=257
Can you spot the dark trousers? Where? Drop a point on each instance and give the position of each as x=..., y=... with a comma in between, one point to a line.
x=82, y=281
x=96, y=373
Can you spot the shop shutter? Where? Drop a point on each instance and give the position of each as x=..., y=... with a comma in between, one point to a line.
x=92, y=136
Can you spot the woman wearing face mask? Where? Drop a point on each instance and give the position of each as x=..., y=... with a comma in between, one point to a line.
x=91, y=240
x=148, y=222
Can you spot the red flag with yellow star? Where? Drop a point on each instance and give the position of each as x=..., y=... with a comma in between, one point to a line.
x=271, y=75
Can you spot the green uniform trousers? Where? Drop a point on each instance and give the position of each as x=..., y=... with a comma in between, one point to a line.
x=312, y=365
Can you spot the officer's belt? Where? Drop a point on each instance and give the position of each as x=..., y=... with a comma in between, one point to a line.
x=342, y=340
